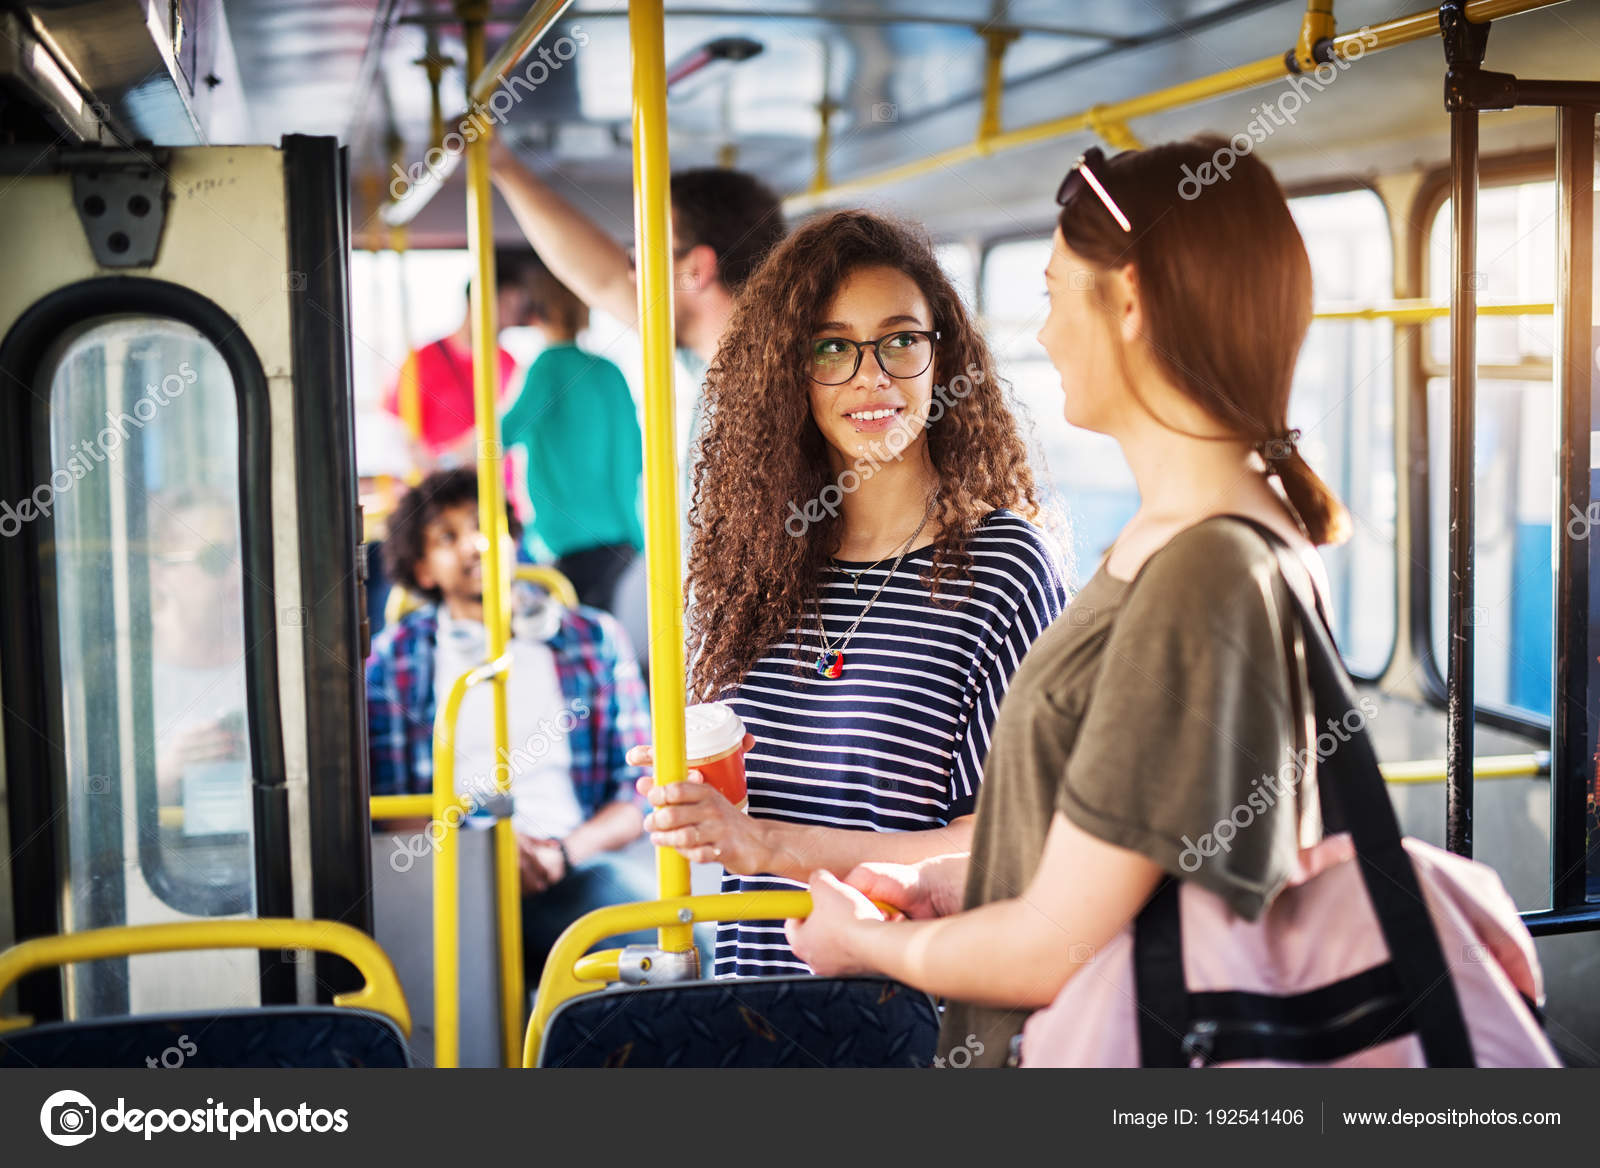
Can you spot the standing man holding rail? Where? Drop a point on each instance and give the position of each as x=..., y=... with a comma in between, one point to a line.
x=724, y=222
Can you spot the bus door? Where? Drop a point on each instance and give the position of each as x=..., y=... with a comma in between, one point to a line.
x=183, y=635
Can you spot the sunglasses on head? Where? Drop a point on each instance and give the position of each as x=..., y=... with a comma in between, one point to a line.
x=1083, y=175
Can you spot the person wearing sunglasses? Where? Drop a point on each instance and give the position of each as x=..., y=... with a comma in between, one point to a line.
x=197, y=654
x=1152, y=711
x=864, y=572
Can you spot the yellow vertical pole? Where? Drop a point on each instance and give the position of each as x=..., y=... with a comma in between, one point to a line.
x=652, y=202
x=492, y=522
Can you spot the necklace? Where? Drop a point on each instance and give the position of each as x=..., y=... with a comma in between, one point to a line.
x=855, y=577
x=830, y=662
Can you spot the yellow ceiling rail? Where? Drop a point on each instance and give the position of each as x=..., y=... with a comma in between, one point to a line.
x=528, y=33
x=1419, y=311
x=1315, y=29
x=1349, y=47
x=423, y=182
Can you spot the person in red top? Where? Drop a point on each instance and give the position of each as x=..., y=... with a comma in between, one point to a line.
x=443, y=371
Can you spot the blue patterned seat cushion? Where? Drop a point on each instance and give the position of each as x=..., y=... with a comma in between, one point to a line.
x=288, y=1036
x=747, y=1022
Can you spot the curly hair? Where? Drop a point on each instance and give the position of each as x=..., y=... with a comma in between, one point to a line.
x=760, y=451
x=406, y=542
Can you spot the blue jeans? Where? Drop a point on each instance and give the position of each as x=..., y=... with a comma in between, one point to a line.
x=605, y=880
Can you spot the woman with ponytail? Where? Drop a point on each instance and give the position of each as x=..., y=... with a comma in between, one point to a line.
x=1146, y=717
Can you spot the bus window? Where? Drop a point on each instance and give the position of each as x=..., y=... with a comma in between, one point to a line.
x=148, y=582
x=1343, y=405
x=1516, y=448
x=1080, y=472
x=961, y=267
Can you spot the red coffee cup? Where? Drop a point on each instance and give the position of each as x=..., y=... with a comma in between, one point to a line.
x=714, y=741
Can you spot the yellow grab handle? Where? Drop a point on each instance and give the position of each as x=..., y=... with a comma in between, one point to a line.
x=381, y=993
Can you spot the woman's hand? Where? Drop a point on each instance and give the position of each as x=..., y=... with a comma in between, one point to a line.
x=935, y=887
x=838, y=914
x=697, y=820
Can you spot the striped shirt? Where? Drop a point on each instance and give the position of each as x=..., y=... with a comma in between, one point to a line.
x=897, y=742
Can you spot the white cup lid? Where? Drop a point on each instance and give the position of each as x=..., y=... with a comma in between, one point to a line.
x=710, y=729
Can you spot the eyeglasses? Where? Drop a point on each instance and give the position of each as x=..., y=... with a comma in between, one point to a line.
x=904, y=354
x=1082, y=175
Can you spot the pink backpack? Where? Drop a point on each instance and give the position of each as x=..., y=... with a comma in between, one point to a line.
x=1380, y=952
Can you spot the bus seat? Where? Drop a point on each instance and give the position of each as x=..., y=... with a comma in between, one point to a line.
x=401, y=600
x=747, y=1022
x=273, y=1036
x=363, y=1028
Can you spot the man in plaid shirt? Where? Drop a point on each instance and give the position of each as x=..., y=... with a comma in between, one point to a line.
x=575, y=700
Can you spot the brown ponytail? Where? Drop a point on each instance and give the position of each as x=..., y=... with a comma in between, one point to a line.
x=1225, y=292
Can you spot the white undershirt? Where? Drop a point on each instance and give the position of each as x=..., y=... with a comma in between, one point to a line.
x=540, y=759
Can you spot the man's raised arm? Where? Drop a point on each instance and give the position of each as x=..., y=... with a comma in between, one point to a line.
x=577, y=252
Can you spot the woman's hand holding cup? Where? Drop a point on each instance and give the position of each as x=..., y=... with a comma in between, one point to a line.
x=698, y=819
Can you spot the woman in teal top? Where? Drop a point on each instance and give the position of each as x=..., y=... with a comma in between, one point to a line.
x=576, y=423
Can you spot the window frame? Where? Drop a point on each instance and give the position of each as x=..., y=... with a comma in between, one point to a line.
x=1021, y=233
x=30, y=667
x=1431, y=196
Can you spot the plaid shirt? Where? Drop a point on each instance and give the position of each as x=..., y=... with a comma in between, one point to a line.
x=594, y=664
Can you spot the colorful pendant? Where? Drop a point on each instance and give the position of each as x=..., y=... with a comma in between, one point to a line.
x=830, y=665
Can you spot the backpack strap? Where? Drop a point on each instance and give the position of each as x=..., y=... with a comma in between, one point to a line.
x=1354, y=795
x=1161, y=999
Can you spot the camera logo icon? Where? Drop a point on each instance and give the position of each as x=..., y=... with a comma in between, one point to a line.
x=67, y=1118
x=885, y=111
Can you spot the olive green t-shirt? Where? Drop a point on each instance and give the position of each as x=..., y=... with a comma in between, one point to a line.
x=1150, y=714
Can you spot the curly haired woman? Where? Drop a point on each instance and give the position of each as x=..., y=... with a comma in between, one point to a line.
x=863, y=573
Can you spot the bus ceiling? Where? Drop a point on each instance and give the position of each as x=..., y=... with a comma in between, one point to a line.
x=956, y=113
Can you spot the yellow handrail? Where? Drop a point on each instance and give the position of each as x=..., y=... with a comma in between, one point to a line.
x=1371, y=39
x=492, y=522
x=653, y=227
x=1418, y=311
x=551, y=580
x=381, y=994
x=563, y=980
x=447, y=867
x=529, y=31
x=402, y=600
x=1503, y=766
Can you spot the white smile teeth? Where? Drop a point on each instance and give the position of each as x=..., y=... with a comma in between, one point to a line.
x=873, y=415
